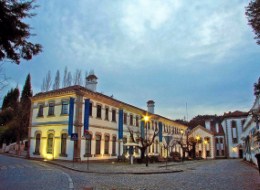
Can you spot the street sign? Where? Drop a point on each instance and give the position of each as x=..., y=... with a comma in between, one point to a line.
x=87, y=134
x=74, y=137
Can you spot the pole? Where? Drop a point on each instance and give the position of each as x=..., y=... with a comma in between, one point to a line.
x=146, y=144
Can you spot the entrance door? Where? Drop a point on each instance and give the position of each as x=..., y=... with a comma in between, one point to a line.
x=240, y=153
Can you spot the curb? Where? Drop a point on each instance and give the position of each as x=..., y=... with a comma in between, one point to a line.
x=116, y=173
x=98, y=172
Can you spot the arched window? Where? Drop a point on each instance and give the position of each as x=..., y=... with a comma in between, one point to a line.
x=114, y=146
x=37, y=144
x=63, y=144
x=88, y=146
x=106, y=151
x=50, y=143
x=98, y=144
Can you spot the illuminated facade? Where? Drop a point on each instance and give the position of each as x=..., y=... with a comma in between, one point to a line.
x=107, y=120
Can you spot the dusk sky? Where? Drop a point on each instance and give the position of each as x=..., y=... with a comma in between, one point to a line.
x=202, y=53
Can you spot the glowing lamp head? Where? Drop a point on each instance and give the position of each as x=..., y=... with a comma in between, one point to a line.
x=146, y=118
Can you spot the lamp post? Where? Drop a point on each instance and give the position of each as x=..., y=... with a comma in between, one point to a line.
x=146, y=119
x=205, y=143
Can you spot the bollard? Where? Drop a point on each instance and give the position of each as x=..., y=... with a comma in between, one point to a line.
x=258, y=161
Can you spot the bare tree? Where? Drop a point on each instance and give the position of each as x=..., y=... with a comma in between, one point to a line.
x=77, y=80
x=144, y=143
x=56, y=84
x=46, y=84
x=65, y=77
x=69, y=79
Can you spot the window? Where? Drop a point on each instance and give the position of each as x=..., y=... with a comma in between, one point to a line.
x=50, y=143
x=234, y=131
x=98, y=144
x=114, y=115
x=40, y=110
x=217, y=152
x=64, y=107
x=106, y=145
x=99, y=111
x=131, y=120
x=88, y=146
x=156, y=146
x=107, y=113
x=152, y=125
x=124, y=147
x=137, y=121
x=216, y=140
x=114, y=146
x=90, y=108
x=63, y=144
x=51, y=109
x=125, y=118
x=38, y=143
x=156, y=128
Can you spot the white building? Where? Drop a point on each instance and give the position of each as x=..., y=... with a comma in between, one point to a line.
x=102, y=124
x=205, y=146
x=233, y=124
x=251, y=134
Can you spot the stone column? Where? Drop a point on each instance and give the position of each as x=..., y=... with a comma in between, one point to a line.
x=78, y=126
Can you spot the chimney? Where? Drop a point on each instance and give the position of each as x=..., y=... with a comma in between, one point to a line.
x=150, y=106
x=91, y=82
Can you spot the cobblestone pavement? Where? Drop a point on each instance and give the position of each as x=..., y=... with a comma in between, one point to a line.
x=206, y=174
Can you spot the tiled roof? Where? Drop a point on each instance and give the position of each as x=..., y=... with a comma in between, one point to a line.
x=236, y=113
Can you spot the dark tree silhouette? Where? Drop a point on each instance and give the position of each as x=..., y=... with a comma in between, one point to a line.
x=253, y=16
x=257, y=88
x=14, y=32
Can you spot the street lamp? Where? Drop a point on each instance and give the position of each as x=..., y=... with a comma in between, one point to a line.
x=146, y=119
x=205, y=143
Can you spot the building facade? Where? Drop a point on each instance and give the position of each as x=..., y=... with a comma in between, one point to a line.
x=100, y=124
x=227, y=130
x=250, y=136
x=205, y=145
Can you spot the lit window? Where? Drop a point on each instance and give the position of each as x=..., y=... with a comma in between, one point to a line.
x=37, y=144
x=50, y=143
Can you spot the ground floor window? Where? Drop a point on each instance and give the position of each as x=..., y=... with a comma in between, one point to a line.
x=37, y=144
x=88, y=146
x=63, y=144
x=98, y=144
x=114, y=146
x=106, y=151
x=50, y=143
